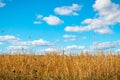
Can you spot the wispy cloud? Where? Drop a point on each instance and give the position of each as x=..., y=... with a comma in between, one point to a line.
x=69, y=36
x=39, y=42
x=38, y=19
x=37, y=22
x=9, y=38
x=118, y=50
x=39, y=16
x=2, y=4
x=50, y=50
x=1, y=43
x=104, y=45
x=16, y=48
x=74, y=47
x=66, y=49
x=108, y=14
x=70, y=40
x=68, y=10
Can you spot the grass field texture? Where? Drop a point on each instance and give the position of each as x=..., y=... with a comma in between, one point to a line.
x=54, y=66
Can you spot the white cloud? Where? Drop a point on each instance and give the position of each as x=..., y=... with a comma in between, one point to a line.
x=118, y=50
x=50, y=50
x=16, y=47
x=69, y=36
x=38, y=19
x=2, y=4
x=50, y=20
x=39, y=16
x=108, y=15
x=8, y=38
x=105, y=45
x=75, y=29
x=74, y=47
x=1, y=43
x=103, y=31
x=16, y=41
x=24, y=45
x=53, y=20
x=70, y=40
x=68, y=10
x=39, y=42
x=37, y=22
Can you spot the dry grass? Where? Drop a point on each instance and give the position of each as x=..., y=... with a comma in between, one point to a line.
x=60, y=67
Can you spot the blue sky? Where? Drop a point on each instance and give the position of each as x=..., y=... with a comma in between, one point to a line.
x=69, y=24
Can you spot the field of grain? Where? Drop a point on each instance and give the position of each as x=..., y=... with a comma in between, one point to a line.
x=54, y=66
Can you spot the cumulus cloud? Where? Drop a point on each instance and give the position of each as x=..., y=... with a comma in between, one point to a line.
x=74, y=47
x=24, y=45
x=2, y=4
x=108, y=14
x=16, y=41
x=50, y=20
x=17, y=44
x=105, y=45
x=68, y=10
x=53, y=20
x=9, y=38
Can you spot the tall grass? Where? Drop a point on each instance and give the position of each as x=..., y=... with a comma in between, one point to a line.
x=60, y=67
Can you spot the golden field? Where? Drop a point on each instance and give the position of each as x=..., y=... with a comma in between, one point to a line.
x=53, y=66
